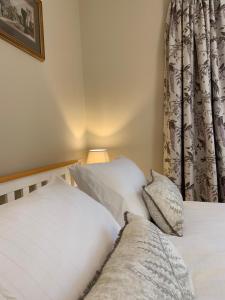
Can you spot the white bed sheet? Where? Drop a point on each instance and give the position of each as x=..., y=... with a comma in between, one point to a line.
x=203, y=248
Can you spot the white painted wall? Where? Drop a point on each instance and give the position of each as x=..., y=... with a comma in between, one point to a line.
x=123, y=55
x=42, y=105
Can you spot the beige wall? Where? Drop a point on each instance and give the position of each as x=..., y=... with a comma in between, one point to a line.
x=42, y=105
x=42, y=109
x=123, y=71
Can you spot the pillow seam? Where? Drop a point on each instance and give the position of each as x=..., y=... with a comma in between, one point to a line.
x=157, y=207
x=99, y=272
x=100, y=183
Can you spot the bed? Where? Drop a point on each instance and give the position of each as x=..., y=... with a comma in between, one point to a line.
x=202, y=246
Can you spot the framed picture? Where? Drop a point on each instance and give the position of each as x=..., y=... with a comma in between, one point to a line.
x=21, y=24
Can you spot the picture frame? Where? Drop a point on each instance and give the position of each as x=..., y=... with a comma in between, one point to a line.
x=21, y=24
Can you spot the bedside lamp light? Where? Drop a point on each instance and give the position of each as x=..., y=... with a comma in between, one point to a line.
x=97, y=156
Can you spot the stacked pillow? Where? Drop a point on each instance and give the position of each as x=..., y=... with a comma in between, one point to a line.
x=117, y=185
x=60, y=232
x=52, y=242
x=143, y=265
x=121, y=186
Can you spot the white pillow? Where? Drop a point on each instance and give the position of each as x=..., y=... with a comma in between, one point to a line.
x=117, y=185
x=52, y=243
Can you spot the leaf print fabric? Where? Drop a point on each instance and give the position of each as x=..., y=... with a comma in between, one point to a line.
x=144, y=265
x=194, y=122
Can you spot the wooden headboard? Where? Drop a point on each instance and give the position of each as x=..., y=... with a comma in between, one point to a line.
x=20, y=184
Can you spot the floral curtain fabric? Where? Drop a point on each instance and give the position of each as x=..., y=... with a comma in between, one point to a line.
x=194, y=129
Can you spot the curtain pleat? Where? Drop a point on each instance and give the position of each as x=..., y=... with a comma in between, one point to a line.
x=194, y=127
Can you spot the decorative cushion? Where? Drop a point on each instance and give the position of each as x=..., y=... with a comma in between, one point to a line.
x=52, y=242
x=165, y=204
x=144, y=265
x=117, y=185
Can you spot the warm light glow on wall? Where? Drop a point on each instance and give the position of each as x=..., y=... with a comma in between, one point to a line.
x=98, y=156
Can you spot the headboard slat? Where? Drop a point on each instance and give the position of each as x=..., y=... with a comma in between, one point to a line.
x=10, y=196
x=22, y=184
x=26, y=191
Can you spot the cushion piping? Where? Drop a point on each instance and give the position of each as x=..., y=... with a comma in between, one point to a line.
x=159, y=210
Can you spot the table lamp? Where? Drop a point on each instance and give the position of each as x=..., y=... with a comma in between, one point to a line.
x=97, y=156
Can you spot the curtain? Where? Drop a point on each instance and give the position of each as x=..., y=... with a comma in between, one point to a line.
x=194, y=129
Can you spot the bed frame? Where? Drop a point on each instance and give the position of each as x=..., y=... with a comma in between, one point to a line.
x=18, y=185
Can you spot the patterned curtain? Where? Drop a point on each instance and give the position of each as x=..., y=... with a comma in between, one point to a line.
x=194, y=129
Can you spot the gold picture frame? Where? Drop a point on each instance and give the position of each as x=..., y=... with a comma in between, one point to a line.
x=21, y=24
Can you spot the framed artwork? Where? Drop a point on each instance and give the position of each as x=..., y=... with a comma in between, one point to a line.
x=21, y=24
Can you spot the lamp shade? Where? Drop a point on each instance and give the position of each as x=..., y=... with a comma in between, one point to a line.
x=98, y=156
